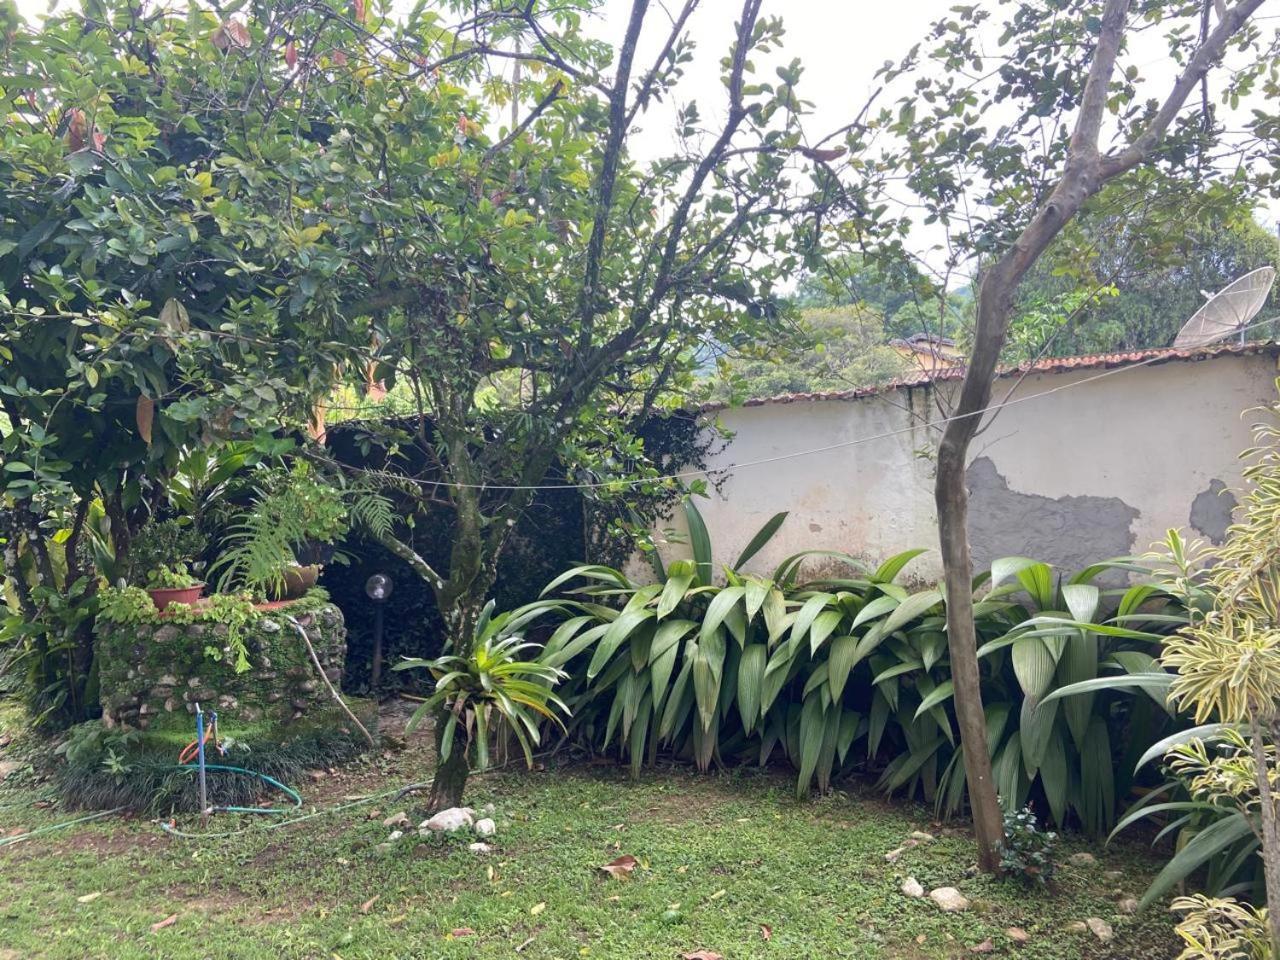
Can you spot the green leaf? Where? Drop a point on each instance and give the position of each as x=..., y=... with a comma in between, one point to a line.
x=813, y=730
x=751, y=683
x=808, y=614
x=1156, y=684
x=888, y=571
x=911, y=608
x=708, y=666
x=699, y=542
x=1082, y=600
x=876, y=608
x=841, y=660
x=1033, y=665
x=1215, y=839
x=940, y=694
x=763, y=536
x=615, y=636
x=719, y=609
x=680, y=576
x=1208, y=731
x=823, y=626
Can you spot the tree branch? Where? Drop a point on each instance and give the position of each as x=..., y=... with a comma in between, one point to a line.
x=1205, y=56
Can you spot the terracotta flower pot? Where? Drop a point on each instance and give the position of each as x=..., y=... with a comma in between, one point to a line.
x=298, y=580
x=163, y=596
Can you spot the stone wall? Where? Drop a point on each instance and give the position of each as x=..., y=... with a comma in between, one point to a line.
x=153, y=674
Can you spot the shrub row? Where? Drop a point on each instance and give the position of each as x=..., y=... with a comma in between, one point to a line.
x=837, y=673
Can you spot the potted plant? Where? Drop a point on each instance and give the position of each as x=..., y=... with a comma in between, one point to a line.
x=286, y=537
x=162, y=557
x=173, y=584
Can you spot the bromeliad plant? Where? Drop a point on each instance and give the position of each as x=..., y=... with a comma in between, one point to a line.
x=494, y=685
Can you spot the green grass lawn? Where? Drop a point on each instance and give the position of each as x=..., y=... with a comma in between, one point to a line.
x=729, y=863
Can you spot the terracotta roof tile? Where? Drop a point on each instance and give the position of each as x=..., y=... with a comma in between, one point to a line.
x=1092, y=361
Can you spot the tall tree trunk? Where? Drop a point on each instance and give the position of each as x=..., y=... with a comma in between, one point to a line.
x=1085, y=172
x=1270, y=832
x=952, y=499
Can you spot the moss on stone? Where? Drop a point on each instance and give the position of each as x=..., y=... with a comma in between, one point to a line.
x=153, y=673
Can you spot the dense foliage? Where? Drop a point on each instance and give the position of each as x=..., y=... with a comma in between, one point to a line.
x=138, y=317
x=807, y=669
x=835, y=348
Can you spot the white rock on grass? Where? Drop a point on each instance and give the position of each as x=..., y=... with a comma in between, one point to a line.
x=448, y=821
x=1100, y=929
x=921, y=836
x=1082, y=859
x=397, y=820
x=1127, y=905
x=479, y=847
x=911, y=887
x=395, y=835
x=485, y=828
x=949, y=899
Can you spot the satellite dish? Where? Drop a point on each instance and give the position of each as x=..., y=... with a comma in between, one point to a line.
x=1229, y=311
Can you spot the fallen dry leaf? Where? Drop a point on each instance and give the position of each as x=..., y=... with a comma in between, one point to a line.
x=717, y=895
x=621, y=868
x=521, y=948
x=462, y=932
x=702, y=955
x=89, y=897
x=986, y=946
x=368, y=904
x=766, y=932
x=537, y=908
x=168, y=921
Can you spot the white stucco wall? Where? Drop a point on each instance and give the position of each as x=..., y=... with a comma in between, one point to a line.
x=1097, y=470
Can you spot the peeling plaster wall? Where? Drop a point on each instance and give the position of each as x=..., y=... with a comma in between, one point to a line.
x=1101, y=469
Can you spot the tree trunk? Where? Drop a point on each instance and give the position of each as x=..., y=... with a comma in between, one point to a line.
x=450, y=780
x=1270, y=833
x=953, y=509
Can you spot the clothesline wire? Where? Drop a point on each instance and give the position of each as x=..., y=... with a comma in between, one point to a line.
x=842, y=445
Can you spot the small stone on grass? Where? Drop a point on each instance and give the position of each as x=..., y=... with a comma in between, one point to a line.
x=949, y=899
x=1100, y=929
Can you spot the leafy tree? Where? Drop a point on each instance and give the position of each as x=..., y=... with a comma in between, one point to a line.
x=1004, y=146
x=1128, y=273
x=835, y=348
x=885, y=281
x=531, y=288
x=135, y=323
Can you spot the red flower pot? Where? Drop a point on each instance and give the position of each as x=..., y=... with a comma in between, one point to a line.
x=162, y=597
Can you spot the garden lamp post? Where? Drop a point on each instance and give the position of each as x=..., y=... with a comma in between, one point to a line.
x=378, y=589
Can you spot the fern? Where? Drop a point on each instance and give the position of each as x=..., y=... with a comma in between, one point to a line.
x=256, y=553
x=372, y=512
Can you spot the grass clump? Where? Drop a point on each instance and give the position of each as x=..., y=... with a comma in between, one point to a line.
x=139, y=770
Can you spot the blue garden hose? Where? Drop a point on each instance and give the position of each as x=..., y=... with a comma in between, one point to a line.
x=291, y=793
